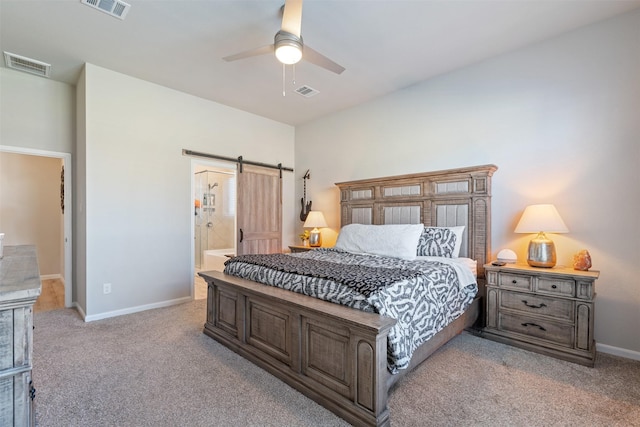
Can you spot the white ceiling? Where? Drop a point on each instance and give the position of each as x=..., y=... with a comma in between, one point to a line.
x=385, y=45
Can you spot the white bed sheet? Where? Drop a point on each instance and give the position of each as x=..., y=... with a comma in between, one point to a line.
x=460, y=264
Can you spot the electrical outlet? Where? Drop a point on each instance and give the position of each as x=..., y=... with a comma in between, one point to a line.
x=106, y=288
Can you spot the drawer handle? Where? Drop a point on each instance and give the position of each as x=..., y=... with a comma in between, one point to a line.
x=514, y=281
x=534, y=324
x=554, y=286
x=524, y=301
x=32, y=390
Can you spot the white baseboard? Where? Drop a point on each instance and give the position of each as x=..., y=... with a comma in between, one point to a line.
x=51, y=276
x=617, y=351
x=131, y=310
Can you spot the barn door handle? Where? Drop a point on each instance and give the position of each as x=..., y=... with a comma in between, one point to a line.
x=534, y=324
x=533, y=306
x=241, y=235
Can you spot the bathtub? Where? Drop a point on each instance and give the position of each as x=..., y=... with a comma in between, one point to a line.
x=214, y=258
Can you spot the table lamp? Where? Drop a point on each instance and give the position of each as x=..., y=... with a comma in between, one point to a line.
x=315, y=220
x=540, y=219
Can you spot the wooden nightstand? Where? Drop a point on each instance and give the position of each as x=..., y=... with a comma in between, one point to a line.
x=546, y=310
x=295, y=248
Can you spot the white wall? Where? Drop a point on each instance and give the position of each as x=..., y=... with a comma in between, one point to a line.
x=131, y=184
x=36, y=113
x=138, y=202
x=561, y=120
x=79, y=198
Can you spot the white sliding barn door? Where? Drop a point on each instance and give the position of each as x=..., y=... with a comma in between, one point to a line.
x=259, y=210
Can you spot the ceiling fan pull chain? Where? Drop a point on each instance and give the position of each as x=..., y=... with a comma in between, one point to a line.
x=283, y=80
x=294, y=73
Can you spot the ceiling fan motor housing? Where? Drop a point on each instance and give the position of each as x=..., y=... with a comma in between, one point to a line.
x=288, y=47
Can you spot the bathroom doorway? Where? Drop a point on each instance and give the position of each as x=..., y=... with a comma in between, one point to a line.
x=233, y=213
x=214, y=218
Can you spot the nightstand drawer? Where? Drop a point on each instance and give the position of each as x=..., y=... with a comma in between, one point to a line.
x=515, y=281
x=558, y=333
x=534, y=304
x=553, y=286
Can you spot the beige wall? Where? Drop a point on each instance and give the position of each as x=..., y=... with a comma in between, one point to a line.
x=561, y=120
x=30, y=212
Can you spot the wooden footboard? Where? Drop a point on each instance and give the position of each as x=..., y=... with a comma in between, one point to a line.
x=333, y=354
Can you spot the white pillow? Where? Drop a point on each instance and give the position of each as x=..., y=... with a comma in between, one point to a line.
x=392, y=240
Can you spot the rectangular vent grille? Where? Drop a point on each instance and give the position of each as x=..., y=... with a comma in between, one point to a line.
x=28, y=65
x=116, y=8
x=307, y=91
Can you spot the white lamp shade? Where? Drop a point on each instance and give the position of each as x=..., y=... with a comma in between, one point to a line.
x=537, y=218
x=315, y=219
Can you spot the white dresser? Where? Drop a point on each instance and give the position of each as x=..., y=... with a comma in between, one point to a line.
x=19, y=288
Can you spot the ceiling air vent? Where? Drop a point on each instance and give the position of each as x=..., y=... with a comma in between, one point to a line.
x=116, y=8
x=28, y=65
x=307, y=91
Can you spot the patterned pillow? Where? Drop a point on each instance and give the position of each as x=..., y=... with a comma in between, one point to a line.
x=437, y=241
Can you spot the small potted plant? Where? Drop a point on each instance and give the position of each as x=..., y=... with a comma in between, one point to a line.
x=305, y=238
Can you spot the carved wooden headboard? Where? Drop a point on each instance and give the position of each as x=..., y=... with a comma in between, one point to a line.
x=444, y=198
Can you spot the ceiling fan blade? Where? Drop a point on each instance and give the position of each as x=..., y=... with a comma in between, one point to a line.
x=320, y=60
x=249, y=53
x=292, y=17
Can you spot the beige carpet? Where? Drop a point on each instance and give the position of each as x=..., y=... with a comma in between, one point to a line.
x=157, y=368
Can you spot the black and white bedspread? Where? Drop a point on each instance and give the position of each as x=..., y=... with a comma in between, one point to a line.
x=423, y=295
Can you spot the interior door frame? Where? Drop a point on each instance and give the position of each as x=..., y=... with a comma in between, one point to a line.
x=68, y=214
x=214, y=164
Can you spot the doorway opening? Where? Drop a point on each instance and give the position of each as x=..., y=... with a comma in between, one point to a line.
x=214, y=188
x=58, y=244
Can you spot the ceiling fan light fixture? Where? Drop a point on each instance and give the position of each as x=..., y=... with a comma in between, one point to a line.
x=288, y=47
x=288, y=54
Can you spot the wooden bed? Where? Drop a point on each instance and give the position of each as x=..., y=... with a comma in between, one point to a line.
x=334, y=354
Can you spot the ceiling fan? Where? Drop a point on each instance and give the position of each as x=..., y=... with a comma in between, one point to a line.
x=288, y=46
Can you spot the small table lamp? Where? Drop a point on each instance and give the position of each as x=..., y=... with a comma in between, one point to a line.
x=315, y=220
x=538, y=219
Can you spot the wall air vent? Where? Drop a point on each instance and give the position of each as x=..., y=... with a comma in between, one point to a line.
x=28, y=65
x=116, y=8
x=307, y=91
